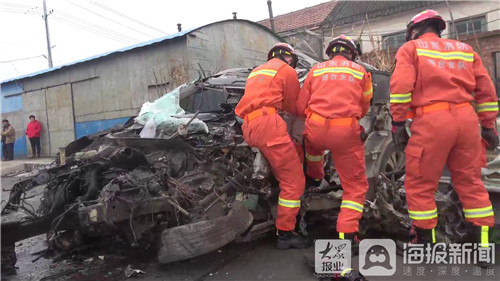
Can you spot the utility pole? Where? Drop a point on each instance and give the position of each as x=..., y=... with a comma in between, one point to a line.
x=45, y=18
x=271, y=18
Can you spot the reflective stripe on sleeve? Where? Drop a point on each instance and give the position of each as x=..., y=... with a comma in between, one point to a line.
x=268, y=72
x=352, y=205
x=469, y=57
x=401, y=98
x=479, y=212
x=423, y=215
x=368, y=94
x=314, y=158
x=288, y=203
x=487, y=106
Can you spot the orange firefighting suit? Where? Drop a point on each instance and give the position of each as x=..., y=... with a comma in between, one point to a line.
x=270, y=88
x=335, y=95
x=437, y=79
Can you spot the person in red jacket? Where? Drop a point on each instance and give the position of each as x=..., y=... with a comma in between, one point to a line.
x=271, y=88
x=335, y=95
x=437, y=80
x=33, y=132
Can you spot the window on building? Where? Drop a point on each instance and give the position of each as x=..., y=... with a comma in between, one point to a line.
x=393, y=41
x=469, y=26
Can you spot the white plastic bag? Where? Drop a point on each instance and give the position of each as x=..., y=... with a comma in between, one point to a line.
x=149, y=130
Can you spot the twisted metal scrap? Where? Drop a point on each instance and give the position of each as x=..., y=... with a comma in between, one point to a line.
x=387, y=215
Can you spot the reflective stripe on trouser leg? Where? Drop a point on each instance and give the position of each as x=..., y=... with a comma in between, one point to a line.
x=352, y=205
x=478, y=212
x=341, y=235
x=289, y=203
x=484, y=236
x=314, y=162
x=434, y=235
x=423, y=215
x=345, y=271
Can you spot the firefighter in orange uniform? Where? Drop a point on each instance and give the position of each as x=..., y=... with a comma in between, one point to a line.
x=436, y=80
x=271, y=88
x=335, y=95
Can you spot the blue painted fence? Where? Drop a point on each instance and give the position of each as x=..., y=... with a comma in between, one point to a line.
x=91, y=127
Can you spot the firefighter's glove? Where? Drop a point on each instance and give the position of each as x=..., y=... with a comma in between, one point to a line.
x=490, y=136
x=363, y=135
x=399, y=134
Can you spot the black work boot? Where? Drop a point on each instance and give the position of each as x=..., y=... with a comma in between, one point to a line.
x=291, y=239
x=354, y=238
x=312, y=182
x=481, y=236
x=423, y=236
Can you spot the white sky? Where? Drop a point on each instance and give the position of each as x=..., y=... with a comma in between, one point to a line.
x=22, y=29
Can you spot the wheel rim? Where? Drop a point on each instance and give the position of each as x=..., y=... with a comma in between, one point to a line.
x=396, y=162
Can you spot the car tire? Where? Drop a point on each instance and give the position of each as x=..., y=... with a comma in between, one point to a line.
x=195, y=239
x=393, y=159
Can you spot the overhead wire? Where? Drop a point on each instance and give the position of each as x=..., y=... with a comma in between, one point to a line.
x=14, y=60
x=116, y=22
x=128, y=17
x=62, y=16
x=91, y=30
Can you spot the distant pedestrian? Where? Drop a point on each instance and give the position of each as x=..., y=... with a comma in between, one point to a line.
x=33, y=132
x=8, y=138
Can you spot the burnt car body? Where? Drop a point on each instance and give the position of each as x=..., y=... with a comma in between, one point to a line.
x=188, y=193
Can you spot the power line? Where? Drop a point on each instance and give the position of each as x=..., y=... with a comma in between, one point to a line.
x=91, y=30
x=76, y=20
x=90, y=11
x=27, y=58
x=128, y=17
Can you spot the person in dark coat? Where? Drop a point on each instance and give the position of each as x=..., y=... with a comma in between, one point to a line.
x=8, y=139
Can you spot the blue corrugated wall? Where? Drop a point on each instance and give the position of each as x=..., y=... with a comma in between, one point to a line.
x=91, y=127
x=12, y=105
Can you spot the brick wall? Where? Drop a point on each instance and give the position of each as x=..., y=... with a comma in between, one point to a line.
x=485, y=44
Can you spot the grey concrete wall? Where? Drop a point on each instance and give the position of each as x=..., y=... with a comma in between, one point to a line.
x=35, y=103
x=60, y=116
x=229, y=45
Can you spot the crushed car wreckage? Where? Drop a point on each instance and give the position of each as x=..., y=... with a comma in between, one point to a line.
x=188, y=184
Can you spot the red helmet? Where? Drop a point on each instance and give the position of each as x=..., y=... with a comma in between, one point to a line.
x=429, y=16
x=342, y=41
x=283, y=49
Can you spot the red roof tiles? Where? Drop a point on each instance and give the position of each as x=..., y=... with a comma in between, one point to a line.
x=310, y=17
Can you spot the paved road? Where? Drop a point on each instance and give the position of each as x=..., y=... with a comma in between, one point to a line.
x=257, y=260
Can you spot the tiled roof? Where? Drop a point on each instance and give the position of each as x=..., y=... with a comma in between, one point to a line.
x=346, y=12
x=310, y=17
